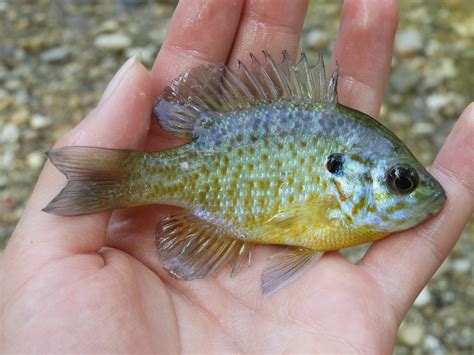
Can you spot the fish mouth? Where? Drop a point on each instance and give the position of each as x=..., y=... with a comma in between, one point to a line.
x=435, y=204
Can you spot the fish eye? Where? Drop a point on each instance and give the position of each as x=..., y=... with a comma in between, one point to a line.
x=335, y=163
x=402, y=179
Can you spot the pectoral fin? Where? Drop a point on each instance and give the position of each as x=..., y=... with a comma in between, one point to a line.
x=300, y=219
x=191, y=248
x=286, y=267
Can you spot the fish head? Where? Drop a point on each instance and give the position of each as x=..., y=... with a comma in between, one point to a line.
x=403, y=192
x=382, y=192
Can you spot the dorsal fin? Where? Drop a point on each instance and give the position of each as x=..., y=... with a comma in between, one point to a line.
x=208, y=88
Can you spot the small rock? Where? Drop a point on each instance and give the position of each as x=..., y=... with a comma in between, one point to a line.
x=7, y=160
x=3, y=180
x=13, y=85
x=317, y=39
x=3, y=6
x=55, y=55
x=35, y=160
x=5, y=101
x=399, y=118
x=411, y=334
x=33, y=44
x=408, y=42
x=40, y=121
x=433, y=344
x=133, y=2
x=21, y=97
x=461, y=266
x=147, y=54
x=423, y=129
x=437, y=102
x=447, y=69
x=114, y=42
x=20, y=117
x=109, y=26
x=423, y=298
x=10, y=133
x=405, y=78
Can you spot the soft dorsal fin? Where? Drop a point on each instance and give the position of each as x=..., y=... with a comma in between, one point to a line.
x=208, y=88
x=191, y=248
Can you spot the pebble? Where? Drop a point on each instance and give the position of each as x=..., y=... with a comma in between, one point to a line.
x=13, y=85
x=147, y=54
x=5, y=101
x=405, y=78
x=432, y=344
x=109, y=26
x=21, y=97
x=399, y=118
x=35, y=160
x=10, y=133
x=423, y=129
x=411, y=334
x=408, y=42
x=437, y=102
x=461, y=265
x=113, y=42
x=423, y=298
x=40, y=121
x=3, y=180
x=3, y=6
x=56, y=55
x=20, y=117
x=317, y=39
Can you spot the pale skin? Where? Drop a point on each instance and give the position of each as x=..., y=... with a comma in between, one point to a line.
x=93, y=283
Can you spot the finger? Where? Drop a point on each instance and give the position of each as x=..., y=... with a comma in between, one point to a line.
x=363, y=50
x=120, y=121
x=201, y=32
x=404, y=263
x=268, y=25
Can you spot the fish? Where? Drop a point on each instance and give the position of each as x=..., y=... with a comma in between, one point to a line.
x=272, y=158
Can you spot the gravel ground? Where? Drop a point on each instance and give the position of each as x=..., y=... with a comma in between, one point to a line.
x=56, y=58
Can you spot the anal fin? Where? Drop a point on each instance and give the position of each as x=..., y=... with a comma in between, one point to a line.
x=191, y=248
x=286, y=267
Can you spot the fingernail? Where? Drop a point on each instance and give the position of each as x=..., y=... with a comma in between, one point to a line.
x=115, y=82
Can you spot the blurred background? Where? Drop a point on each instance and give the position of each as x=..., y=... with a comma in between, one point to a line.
x=56, y=58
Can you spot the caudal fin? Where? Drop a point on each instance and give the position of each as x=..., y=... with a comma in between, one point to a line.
x=95, y=179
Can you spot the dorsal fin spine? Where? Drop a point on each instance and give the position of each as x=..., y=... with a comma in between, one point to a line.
x=252, y=80
x=282, y=80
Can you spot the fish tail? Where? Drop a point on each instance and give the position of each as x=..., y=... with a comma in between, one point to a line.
x=96, y=179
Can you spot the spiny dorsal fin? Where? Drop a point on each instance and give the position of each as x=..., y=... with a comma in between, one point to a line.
x=191, y=248
x=206, y=89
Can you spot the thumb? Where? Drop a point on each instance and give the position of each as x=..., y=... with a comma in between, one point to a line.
x=121, y=120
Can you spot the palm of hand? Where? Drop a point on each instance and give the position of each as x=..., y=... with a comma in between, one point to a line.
x=93, y=283
x=336, y=308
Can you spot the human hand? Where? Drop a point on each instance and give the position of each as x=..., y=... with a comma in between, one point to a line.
x=93, y=283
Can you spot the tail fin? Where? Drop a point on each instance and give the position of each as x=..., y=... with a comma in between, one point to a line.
x=95, y=179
